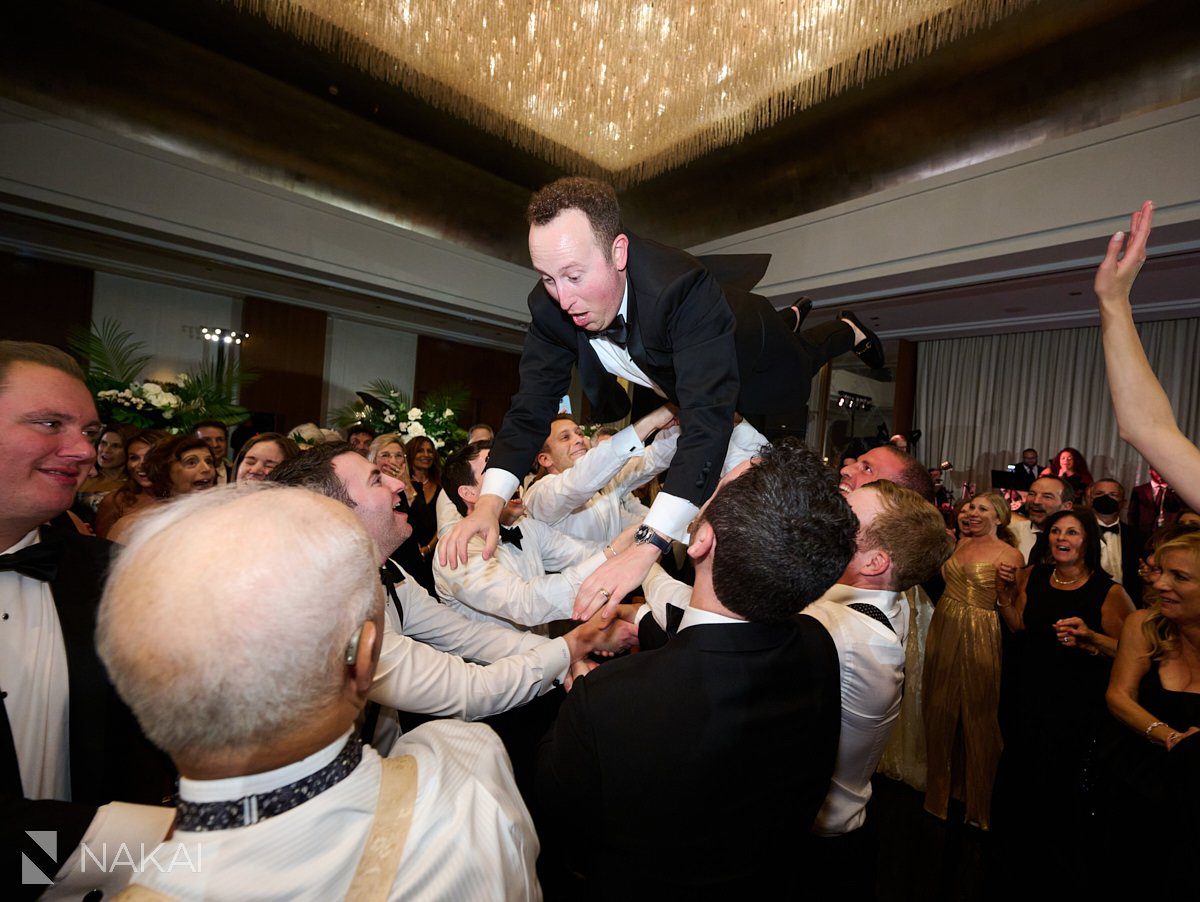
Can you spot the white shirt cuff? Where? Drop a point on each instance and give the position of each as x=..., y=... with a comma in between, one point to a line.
x=499, y=482
x=556, y=659
x=671, y=515
x=137, y=826
x=628, y=443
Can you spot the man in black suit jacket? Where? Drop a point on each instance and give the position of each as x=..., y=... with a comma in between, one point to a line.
x=618, y=306
x=700, y=765
x=47, y=423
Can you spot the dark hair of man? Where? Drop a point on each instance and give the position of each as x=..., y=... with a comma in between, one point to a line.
x=595, y=199
x=313, y=470
x=162, y=456
x=1091, y=534
x=456, y=472
x=911, y=531
x=1027, y=450
x=211, y=424
x=36, y=353
x=1066, y=493
x=913, y=474
x=359, y=429
x=1113, y=480
x=603, y=431
x=784, y=534
x=481, y=426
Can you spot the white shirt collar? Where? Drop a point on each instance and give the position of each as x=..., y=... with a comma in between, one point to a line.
x=31, y=538
x=230, y=788
x=696, y=617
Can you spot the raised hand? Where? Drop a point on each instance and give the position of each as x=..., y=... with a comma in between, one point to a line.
x=1114, y=278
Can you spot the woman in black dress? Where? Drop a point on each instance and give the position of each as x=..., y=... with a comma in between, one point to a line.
x=1152, y=780
x=1070, y=614
x=425, y=468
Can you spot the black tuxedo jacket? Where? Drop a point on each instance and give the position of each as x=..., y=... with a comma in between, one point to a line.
x=711, y=348
x=110, y=758
x=700, y=764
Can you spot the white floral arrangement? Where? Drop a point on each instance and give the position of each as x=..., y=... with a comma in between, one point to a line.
x=384, y=408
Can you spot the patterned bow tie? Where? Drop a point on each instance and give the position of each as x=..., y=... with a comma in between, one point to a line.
x=510, y=535
x=617, y=332
x=201, y=817
x=39, y=561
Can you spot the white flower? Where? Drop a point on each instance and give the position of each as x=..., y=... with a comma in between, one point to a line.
x=181, y=379
x=414, y=413
x=166, y=399
x=394, y=394
x=415, y=429
x=389, y=417
x=448, y=413
x=167, y=414
x=151, y=388
x=438, y=443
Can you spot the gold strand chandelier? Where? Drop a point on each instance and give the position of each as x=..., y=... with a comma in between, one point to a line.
x=626, y=89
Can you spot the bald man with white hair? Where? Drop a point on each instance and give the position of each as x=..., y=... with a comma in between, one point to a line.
x=254, y=693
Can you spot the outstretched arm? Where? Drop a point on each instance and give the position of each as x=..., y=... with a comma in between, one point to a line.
x=1142, y=408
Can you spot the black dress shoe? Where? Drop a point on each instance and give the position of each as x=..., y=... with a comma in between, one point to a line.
x=801, y=309
x=870, y=349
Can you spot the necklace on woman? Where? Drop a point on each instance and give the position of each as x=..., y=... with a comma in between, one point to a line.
x=1065, y=582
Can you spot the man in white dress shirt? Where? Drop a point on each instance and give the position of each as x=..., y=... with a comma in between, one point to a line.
x=254, y=693
x=68, y=746
x=422, y=669
x=902, y=541
x=582, y=491
x=535, y=572
x=1047, y=495
x=1119, y=545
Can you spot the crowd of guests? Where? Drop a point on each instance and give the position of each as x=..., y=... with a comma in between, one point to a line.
x=263, y=668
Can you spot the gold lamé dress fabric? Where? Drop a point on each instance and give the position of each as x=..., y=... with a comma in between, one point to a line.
x=962, y=692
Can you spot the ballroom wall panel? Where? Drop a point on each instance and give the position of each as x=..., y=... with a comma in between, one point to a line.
x=981, y=400
x=489, y=376
x=358, y=353
x=29, y=288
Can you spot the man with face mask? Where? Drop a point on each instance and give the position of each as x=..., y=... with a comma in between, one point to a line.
x=1118, y=542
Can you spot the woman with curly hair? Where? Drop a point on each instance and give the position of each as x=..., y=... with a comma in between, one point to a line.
x=1070, y=465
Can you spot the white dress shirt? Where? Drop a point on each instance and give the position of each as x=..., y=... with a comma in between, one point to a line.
x=1026, y=534
x=421, y=667
x=1110, y=551
x=471, y=836
x=872, y=680
x=518, y=587
x=33, y=675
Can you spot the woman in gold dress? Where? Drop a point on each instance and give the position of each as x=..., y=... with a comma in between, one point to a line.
x=962, y=662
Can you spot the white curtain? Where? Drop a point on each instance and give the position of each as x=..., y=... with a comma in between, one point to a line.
x=980, y=401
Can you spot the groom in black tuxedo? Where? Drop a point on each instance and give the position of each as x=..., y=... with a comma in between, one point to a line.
x=680, y=329
x=699, y=766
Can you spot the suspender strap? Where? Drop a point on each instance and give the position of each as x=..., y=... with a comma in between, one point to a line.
x=381, y=856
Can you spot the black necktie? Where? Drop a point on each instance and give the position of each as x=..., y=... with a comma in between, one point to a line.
x=873, y=612
x=38, y=561
x=617, y=332
x=510, y=535
x=391, y=576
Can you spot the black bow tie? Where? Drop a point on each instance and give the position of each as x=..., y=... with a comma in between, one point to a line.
x=391, y=576
x=39, y=561
x=617, y=332
x=510, y=535
x=1115, y=529
x=200, y=817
